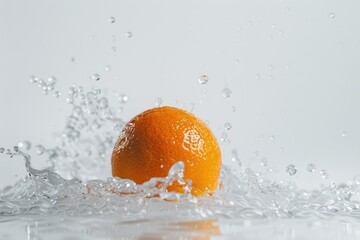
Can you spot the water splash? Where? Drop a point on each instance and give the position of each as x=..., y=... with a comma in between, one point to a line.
x=74, y=182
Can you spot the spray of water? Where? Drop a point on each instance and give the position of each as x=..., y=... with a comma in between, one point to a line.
x=72, y=184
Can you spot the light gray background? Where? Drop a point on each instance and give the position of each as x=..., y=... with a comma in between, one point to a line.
x=307, y=100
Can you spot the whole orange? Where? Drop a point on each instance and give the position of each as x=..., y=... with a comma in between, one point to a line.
x=154, y=140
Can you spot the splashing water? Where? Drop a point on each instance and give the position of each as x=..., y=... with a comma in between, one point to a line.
x=74, y=184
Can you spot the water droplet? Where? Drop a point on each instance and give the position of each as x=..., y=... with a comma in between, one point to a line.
x=264, y=162
x=39, y=149
x=343, y=134
x=159, y=102
x=70, y=100
x=128, y=34
x=97, y=91
x=162, y=166
x=33, y=79
x=311, y=167
x=52, y=80
x=95, y=77
x=56, y=94
x=24, y=145
x=233, y=109
x=72, y=59
x=226, y=92
x=291, y=170
x=237, y=61
x=224, y=137
x=103, y=103
x=272, y=138
x=203, y=79
x=123, y=98
x=108, y=68
x=332, y=15
x=357, y=179
x=257, y=76
x=227, y=126
x=324, y=174
x=111, y=19
x=2, y=150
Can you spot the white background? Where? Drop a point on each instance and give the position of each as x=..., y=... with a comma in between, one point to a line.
x=306, y=100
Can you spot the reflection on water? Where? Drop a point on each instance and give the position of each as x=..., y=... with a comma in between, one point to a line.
x=102, y=227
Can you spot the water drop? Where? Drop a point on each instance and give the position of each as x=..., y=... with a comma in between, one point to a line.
x=123, y=98
x=357, y=179
x=52, y=80
x=272, y=138
x=291, y=170
x=2, y=150
x=24, y=145
x=233, y=109
x=264, y=162
x=226, y=92
x=237, y=61
x=111, y=19
x=107, y=68
x=33, y=79
x=159, y=102
x=72, y=59
x=56, y=94
x=103, y=103
x=39, y=149
x=332, y=15
x=324, y=174
x=203, y=79
x=257, y=76
x=70, y=100
x=311, y=167
x=227, y=126
x=128, y=34
x=343, y=134
x=95, y=77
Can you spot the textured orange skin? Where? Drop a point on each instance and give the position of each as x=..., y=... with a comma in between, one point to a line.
x=154, y=140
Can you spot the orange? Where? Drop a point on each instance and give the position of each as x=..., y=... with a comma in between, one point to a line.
x=154, y=140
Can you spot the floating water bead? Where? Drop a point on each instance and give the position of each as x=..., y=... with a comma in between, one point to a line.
x=226, y=92
x=51, y=80
x=107, y=68
x=291, y=170
x=39, y=149
x=95, y=77
x=123, y=98
x=357, y=179
x=332, y=15
x=324, y=174
x=111, y=19
x=227, y=126
x=56, y=94
x=24, y=145
x=311, y=167
x=159, y=102
x=264, y=162
x=203, y=79
x=128, y=34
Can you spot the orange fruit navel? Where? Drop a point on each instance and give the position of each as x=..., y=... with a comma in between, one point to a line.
x=156, y=139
